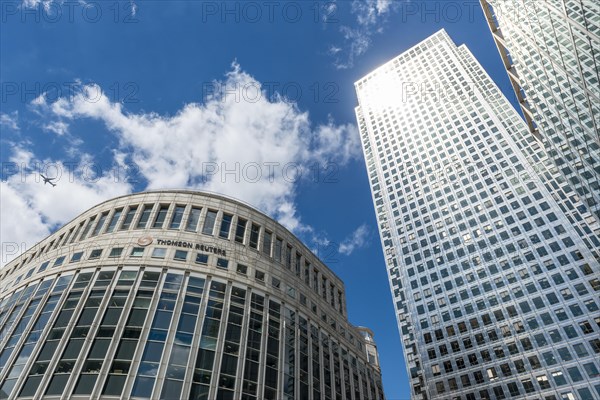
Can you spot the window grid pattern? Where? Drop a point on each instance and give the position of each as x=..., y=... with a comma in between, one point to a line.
x=551, y=52
x=484, y=252
x=195, y=219
x=133, y=325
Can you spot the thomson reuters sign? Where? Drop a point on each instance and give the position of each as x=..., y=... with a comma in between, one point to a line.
x=147, y=240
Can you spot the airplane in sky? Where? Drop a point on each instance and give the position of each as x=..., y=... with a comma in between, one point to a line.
x=48, y=180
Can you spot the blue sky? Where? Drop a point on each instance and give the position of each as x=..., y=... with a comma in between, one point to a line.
x=253, y=99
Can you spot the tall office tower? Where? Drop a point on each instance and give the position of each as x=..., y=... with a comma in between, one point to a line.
x=493, y=264
x=551, y=50
x=178, y=295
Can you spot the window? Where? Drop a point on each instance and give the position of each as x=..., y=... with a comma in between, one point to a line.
x=202, y=258
x=44, y=266
x=534, y=361
x=555, y=336
x=585, y=393
x=513, y=389
x=566, y=293
x=533, y=323
x=114, y=220
x=291, y=291
x=452, y=383
x=276, y=283
x=559, y=378
x=540, y=340
x=98, y=227
x=466, y=382
x=288, y=257
x=177, y=217
x=180, y=255
x=242, y=269
x=85, y=230
x=240, y=230
x=575, y=374
x=116, y=252
x=141, y=224
x=209, y=222
x=278, y=249
x=259, y=276
x=96, y=253
x=159, y=252
x=561, y=314
x=297, y=263
x=586, y=327
x=595, y=343
x=570, y=331
x=267, y=238
x=591, y=370
x=549, y=358
x=254, y=232
x=76, y=257
x=137, y=252
x=439, y=386
x=520, y=366
x=580, y=350
x=431, y=354
x=160, y=217
x=225, y=226
x=591, y=305
x=194, y=217
x=543, y=382
x=59, y=261
x=222, y=263
x=128, y=218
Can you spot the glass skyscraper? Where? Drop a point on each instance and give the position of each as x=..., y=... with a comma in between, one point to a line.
x=551, y=50
x=493, y=261
x=178, y=295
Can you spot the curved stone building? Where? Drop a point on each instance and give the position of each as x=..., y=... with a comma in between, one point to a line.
x=178, y=295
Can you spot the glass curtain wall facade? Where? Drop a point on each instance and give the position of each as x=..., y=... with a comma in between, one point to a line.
x=178, y=295
x=493, y=264
x=551, y=50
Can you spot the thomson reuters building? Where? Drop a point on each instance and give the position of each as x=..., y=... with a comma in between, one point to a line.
x=178, y=295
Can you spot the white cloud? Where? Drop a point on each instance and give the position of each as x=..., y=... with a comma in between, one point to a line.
x=251, y=149
x=370, y=16
x=58, y=127
x=20, y=156
x=356, y=240
x=333, y=50
x=36, y=3
x=39, y=101
x=10, y=121
x=340, y=143
x=133, y=8
x=22, y=226
x=30, y=209
x=383, y=6
x=254, y=150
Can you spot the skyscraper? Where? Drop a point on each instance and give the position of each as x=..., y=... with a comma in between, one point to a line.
x=551, y=50
x=178, y=295
x=492, y=259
